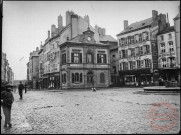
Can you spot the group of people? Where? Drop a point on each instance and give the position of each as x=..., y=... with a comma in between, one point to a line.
x=7, y=100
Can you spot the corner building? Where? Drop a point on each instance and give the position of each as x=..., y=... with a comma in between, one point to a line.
x=138, y=52
x=84, y=63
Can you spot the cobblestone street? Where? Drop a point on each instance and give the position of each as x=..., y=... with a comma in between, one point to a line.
x=115, y=110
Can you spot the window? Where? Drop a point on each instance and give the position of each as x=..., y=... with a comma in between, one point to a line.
x=64, y=58
x=161, y=38
x=170, y=36
x=164, y=64
x=125, y=65
x=89, y=58
x=90, y=77
x=101, y=58
x=132, y=39
x=171, y=46
x=136, y=38
x=138, y=64
x=140, y=37
x=64, y=78
x=133, y=52
x=120, y=66
x=147, y=63
x=146, y=49
x=162, y=47
x=102, y=78
x=76, y=57
x=137, y=51
x=141, y=50
x=129, y=40
x=76, y=77
x=130, y=65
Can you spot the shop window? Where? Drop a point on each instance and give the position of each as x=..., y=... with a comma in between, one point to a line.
x=76, y=57
x=101, y=58
x=102, y=78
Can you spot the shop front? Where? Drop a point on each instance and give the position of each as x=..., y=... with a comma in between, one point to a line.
x=138, y=77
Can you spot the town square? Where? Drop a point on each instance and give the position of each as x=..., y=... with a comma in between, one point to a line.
x=90, y=67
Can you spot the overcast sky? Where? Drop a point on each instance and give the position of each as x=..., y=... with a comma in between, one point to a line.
x=25, y=23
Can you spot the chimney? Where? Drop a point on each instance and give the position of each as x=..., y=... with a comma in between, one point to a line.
x=125, y=24
x=37, y=49
x=53, y=30
x=60, y=24
x=48, y=34
x=154, y=14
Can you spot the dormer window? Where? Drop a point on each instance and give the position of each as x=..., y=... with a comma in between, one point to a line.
x=143, y=24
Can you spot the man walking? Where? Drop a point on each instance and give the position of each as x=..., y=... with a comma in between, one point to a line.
x=20, y=88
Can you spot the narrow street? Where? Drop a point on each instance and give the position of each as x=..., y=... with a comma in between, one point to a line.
x=115, y=110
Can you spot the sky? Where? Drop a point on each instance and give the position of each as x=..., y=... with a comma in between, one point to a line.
x=26, y=23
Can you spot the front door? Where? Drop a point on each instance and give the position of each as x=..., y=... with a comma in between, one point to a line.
x=90, y=79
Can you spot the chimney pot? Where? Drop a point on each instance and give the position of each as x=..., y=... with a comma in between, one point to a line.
x=154, y=14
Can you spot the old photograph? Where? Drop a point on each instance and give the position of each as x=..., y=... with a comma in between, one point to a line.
x=90, y=67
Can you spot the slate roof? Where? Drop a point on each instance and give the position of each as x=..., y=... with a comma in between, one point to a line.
x=107, y=38
x=167, y=30
x=137, y=25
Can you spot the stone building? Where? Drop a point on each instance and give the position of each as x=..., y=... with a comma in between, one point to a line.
x=33, y=69
x=7, y=75
x=138, y=56
x=177, y=35
x=75, y=25
x=84, y=62
x=167, y=58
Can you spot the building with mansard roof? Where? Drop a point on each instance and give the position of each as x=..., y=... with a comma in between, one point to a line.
x=84, y=62
x=138, y=53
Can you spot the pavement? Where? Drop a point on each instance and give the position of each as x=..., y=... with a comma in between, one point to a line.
x=106, y=111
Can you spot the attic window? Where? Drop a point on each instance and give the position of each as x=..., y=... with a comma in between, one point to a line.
x=143, y=24
x=130, y=27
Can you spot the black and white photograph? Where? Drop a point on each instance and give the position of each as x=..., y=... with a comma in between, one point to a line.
x=90, y=67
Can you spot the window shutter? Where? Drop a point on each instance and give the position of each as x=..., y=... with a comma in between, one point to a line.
x=80, y=77
x=98, y=58
x=72, y=57
x=80, y=57
x=120, y=66
x=126, y=53
x=142, y=63
x=72, y=77
x=126, y=65
x=120, y=54
x=134, y=64
x=144, y=49
x=92, y=56
x=105, y=58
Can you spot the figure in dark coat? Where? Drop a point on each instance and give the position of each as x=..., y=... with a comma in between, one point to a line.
x=7, y=100
x=20, y=88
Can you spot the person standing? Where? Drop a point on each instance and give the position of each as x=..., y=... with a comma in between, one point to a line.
x=7, y=100
x=20, y=88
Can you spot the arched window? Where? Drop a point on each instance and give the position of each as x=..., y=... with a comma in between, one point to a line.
x=102, y=78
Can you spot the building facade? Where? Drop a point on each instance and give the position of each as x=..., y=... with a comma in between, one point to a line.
x=138, y=52
x=167, y=54
x=84, y=63
x=177, y=35
x=7, y=75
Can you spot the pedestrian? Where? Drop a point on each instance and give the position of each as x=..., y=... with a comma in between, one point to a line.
x=20, y=88
x=25, y=88
x=7, y=100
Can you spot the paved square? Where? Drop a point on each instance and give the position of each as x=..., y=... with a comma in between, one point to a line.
x=114, y=110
